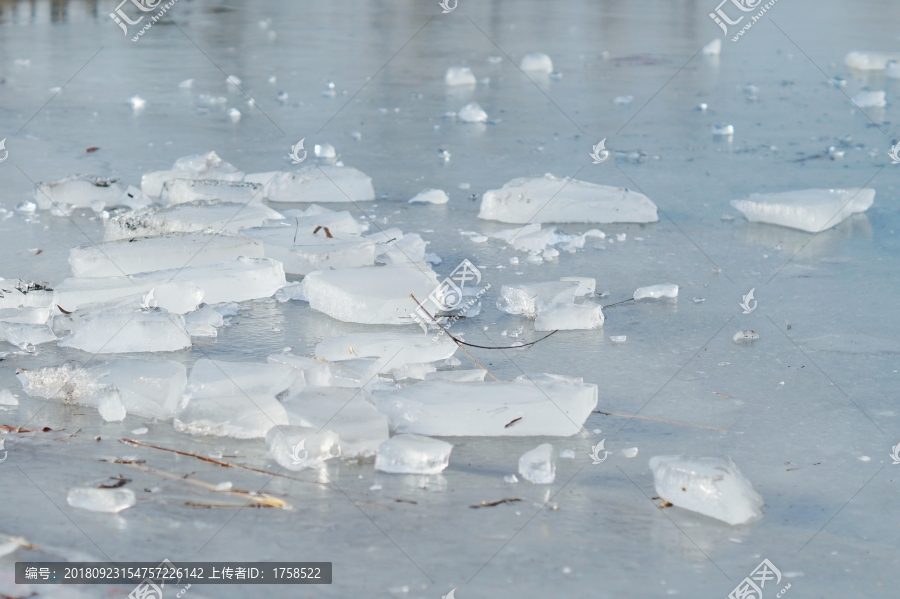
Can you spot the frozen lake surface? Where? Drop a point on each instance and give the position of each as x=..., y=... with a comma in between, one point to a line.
x=807, y=411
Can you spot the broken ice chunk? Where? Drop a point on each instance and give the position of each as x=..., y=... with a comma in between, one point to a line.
x=352, y=373
x=475, y=375
x=299, y=447
x=537, y=466
x=369, y=294
x=549, y=405
x=320, y=184
x=472, y=113
x=630, y=452
x=869, y=99
x=869, y=61
x=403, y=249
x=23, y=335
x=302, y=252
x=7, y=398
x=215, y=378
x=669, y=290
x=723, y=130
x=196, y=166
x=812, y=210
x=586, y=285
x=536, y=62
x=80, y=191
x=396, y=349
x=15, y=293
x=181, y=191
x=203, y=319
x=119, y=330
x=413, y=454
x=570, y=317
x=713, y=487
x=147, y=388
x=548, y=199
x=743, y=336
x=713, y=48
x=110, y=406
x=201, y=216
x=348, y=412
x=530, y=299
x=174, y=251
x=431, y=196
x=239, y=416
x=459, y=76
x=413, y=371
x=109, y=501
x=99, y=292
x=316, y=217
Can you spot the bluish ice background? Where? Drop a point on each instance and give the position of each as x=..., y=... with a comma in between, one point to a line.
x=796, y=410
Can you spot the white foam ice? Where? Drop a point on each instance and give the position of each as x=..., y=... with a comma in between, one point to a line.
x=122, y=330
x=195, y=166
x=182, y=191
x=323, y=184
x=472, y=113
x=869, y=61
x=299, y=447
x=430, y=196
x=548, y=199
x=301, y=251
x=459, y=76
x=68, y=383
x=570, y=317
x=713, y=487
x=413, y=454
x=210, y=216
x=538, y=466
x=536, y=62
x=80, y=191
x=811, y=210
x=147, y=254
x=369, y=294
x=545, y=405
x=110, y=501
x=870, y=99
x=216, y=378
x=395, y=349
x=667, y=290
x=349, y=412
x=241, y=416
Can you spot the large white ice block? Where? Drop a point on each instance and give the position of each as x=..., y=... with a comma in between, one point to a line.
x=713, y=487
x=550, y=405
x=197, y=166
x=369, y=294
x=300, y=447
x=211, y=216
x=810, y=210
x=548, y=199
x=413, y=454
x=319, y=184
x=351, y=373
x=236, y=416
x=81, y=191
x=119, y=330
x=237, y=280
x=302, y=252
x=216, y=378
x=348, y=412
x=181, y=191
x=177, y=250
x=396, y=349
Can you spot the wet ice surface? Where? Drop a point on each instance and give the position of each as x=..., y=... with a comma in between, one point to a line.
x=797, y=442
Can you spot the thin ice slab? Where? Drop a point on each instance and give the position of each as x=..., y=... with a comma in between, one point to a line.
x=209, y=216
x=181, y=191
x=196, y=166
x=396, y=349
x=239, y=416
x=109, y=501
x=662, y=290
x=81, y=191
x=811, y=210
x=299, y=447
x=116, y=331
x=320, y=184
x=413, y=454
x=548, y=199
x=303, y=252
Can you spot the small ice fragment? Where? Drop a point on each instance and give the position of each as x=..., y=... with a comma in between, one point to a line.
x=537, y=466
x=299, y=447
x=26, y=207
x=109, y=501
x=413, y=454
x=669, y=290
x=140, y=431
x=464, y=185
x=623, y=100
x=7, y=398
x=510, y=478
x=864, y=458
x=570, y=317
x=459, y=76
x=892, y=69
x=723, y=130
x=234, y=115
x=233, y=80
x=137, y=102
x=224, y=486
x=282, y=97
x=513, y=260
x=110, y=406
x=702, y=106
x=81, y=191
x=869, y=99
x=812, y=210
x=186, y=84
x=618, y=338
x=713, y=48
x=620, y=236
x=742, y=336
x=537, y=62
x=472, y=113
x=699, y=300
x=631, y=452
x=567, y=454
x=531, y=299
x=869, y=61
x=431, y=196
x=713, y=487
x=216, y=455
x=324, y=151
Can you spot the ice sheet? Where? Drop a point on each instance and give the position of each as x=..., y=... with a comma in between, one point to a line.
x=812, y=210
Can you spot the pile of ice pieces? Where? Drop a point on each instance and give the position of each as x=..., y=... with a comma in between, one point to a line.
x=552, y=304
x=713, y=487
x=548, y=199
x=812, y=210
